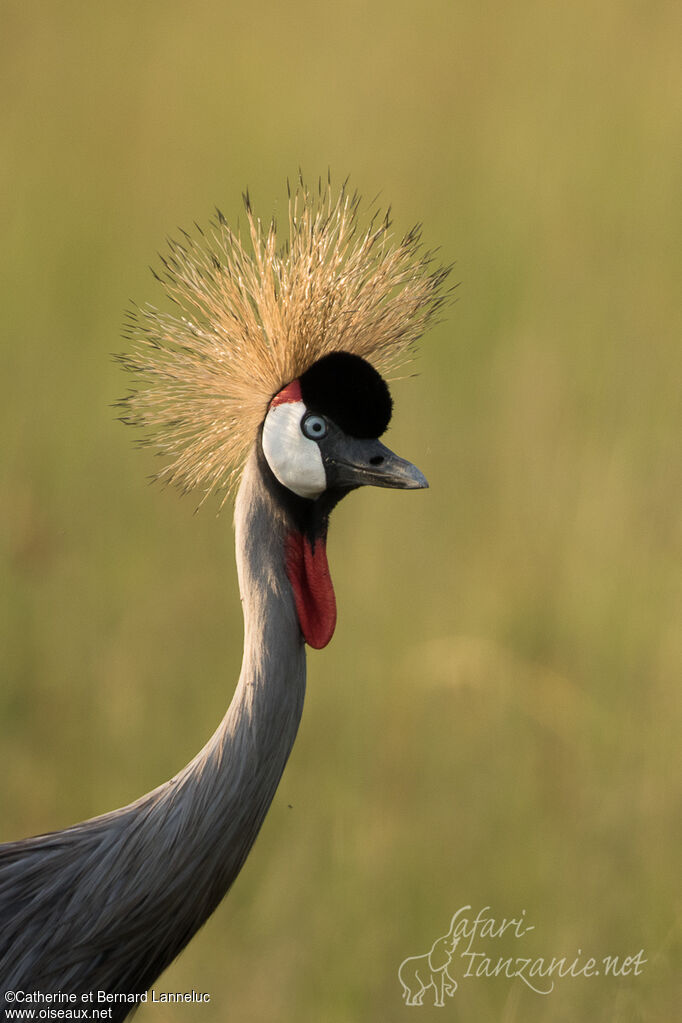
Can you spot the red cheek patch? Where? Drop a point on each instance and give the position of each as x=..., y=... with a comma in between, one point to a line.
x=290, y=393
x=311, y=582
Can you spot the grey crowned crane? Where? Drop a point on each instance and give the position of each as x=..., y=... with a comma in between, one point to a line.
x=265, y=380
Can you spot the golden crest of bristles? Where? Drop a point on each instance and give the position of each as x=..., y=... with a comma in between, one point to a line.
x=252, y=317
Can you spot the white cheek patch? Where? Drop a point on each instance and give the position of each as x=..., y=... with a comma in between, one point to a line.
x=295, y=460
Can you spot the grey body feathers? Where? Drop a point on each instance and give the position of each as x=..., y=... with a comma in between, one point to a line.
x=109, y=903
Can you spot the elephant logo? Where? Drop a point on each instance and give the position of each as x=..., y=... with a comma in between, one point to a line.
x=418, y=973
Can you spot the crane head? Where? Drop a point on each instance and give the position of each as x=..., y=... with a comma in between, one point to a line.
x=321, y=433
x=254, y=319
x=320, y=440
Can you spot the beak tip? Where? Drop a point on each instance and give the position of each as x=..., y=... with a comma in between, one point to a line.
x=409, y=478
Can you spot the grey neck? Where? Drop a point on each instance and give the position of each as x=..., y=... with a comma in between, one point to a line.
x=109, y=903
x=236, y=774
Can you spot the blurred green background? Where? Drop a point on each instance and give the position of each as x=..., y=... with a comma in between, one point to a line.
x=498, y=719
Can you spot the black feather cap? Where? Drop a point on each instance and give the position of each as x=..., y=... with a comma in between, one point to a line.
x=348, y=390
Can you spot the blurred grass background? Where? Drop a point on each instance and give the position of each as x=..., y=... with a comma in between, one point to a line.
x=498, y=719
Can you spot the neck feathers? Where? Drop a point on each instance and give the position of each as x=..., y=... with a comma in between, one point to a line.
x=109, y=903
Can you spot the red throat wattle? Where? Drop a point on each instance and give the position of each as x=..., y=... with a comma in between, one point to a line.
x=308, y=572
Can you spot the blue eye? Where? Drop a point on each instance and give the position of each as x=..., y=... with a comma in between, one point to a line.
x=314, y=427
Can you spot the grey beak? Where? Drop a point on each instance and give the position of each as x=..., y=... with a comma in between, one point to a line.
x=355, y=463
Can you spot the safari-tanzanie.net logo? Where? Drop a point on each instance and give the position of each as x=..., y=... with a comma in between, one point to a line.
x=467, y=951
